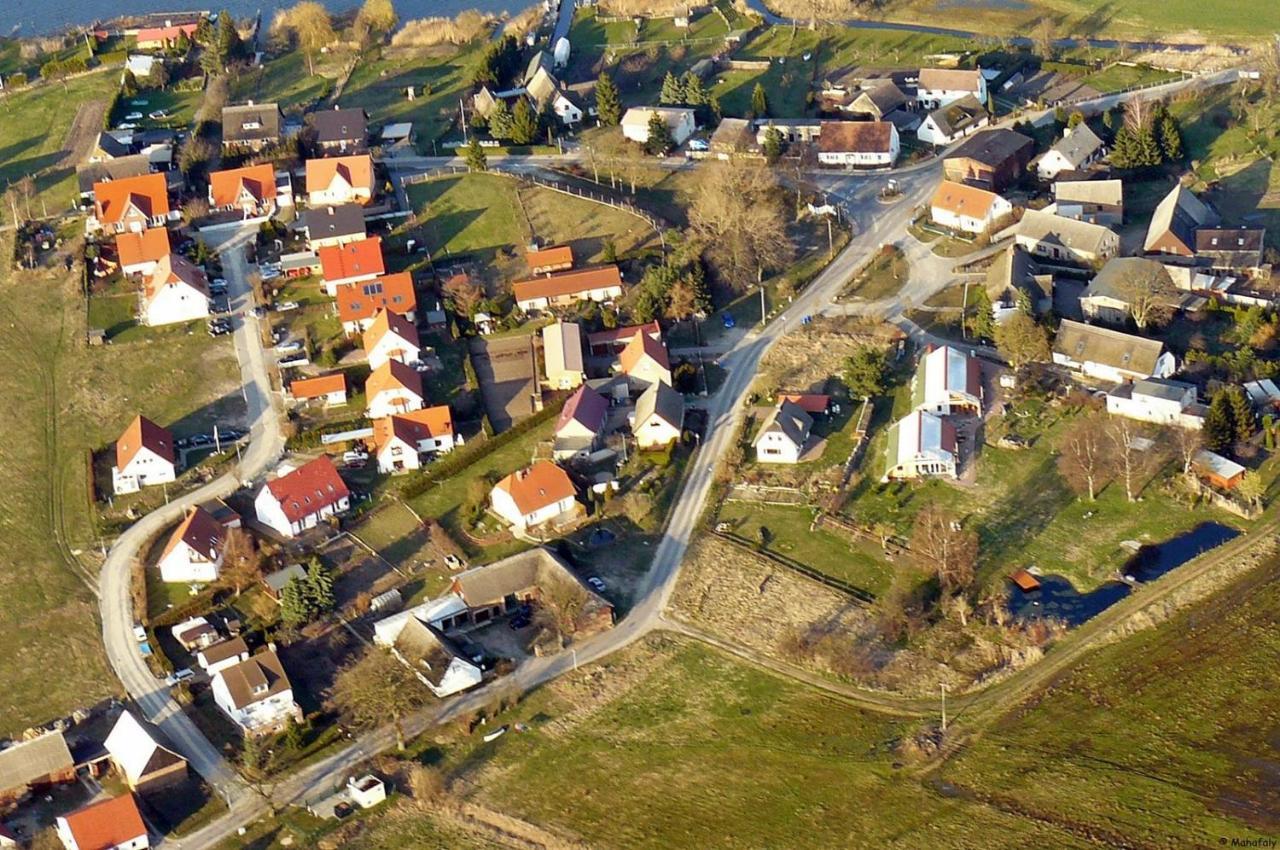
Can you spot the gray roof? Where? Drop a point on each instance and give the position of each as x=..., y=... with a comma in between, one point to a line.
x=662, y=401
x=111, y=145
x=1119, y=274
x=1108, y=192
x=789, y=419
x=879, y=98
x=280, y=578
x=1078, y=145
x=1081, y=342
x=224, y=650
x=1056, y=230
x=991, y=147
x=1180, y=213
x=134, y=165
x=958, y=116
x=426, y=649
x=263, y=670
x=539, y=61
x=30, y=761
x=340, y=125
x=1162, y=388
x=537, y=567
x=330, y=222
x=734, y=134
x=1015, y=269
x=265, y=115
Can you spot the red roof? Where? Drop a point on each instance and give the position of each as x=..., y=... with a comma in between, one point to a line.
x=855, y=137
x=587, y=407
x=323, y=385
x=142, y=432
x=355, y=259
x=363, y=299
x=226, y=187
x=147, y=35
x=200, y=531
x=575, y=282
x=148, y=246
x=538, y=486
x=309, y=489
x=808, y=402
x=558, y=257
x=148, y=193
x=643, y=345
x=106, y=824
x=622, y=335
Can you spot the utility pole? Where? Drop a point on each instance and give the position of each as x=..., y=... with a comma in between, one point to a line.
x=944, y=706
x=964, y=311
x=762, y=310
x=462, y=108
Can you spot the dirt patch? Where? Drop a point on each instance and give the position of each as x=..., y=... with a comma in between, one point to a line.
x=83, y=132
x=818, y=351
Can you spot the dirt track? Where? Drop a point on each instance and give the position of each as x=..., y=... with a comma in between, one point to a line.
x=82, y=133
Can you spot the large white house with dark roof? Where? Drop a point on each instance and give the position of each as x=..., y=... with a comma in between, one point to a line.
x=256, y=694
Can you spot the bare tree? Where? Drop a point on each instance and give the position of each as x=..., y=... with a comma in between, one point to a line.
x=1084, y=456
x=1187, y=441
x=427, y=783
x=376, y=688
x=465, y=294
x=255, y=767
x=945, y=549
x=310, y=24
x=1044, y=35
x=1147, y=289
x=1137, y=114
x=1131, y=452
x=738, y=214
x=241, y=560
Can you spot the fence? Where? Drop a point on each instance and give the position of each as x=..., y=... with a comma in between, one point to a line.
x=765, y=495
x=839, y=524
x=855, y=593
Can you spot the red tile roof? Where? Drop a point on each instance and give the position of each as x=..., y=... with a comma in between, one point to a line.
x=322, y=385
x=808, y=402
x=175, y=268
x=165, y=35
x=557, y=257
x=142, y=432
x=567, y=283
x=363, y=299
x=309, y=489
x=430, y=422
x=147, y=192
x=355, y=259
x=357, y=171
x=146, y=247
x=537, y=486
x=962, y=199
x=106, y=824
x=855, y=137
x=225, y=187
x=388, y=321
x=643, y=345
x=200, y=531
x=586, y=407
x=393, y=375
x=623, y=335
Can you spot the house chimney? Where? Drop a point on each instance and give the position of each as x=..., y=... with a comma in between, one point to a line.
x=330, y=210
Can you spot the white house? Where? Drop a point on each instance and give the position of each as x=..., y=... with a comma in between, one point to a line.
x=581, y=423
x=256, y=694
x=1057, y=238
x=566, y=288
x=139, y=251
x=111, y=824
x=1094, y=201
x=681, y=122
x=1157, y=400
x=947, y=381
x=142, y=761
x=921, y=445
x=222, y=655
x=562, y=355
x=194, y=550
x=302, y=498
x=953, y=122
x=391, y=337
x=942, y=86
x=566, y=110
x=176, y=291
x=1109, y=355
x=862, y=144
x=645, y=361
x=337, y=180
x=534, y=495
x=393, y=388
x=145, y=457
x=659, y=416
x=416, y=639
x=366, y=791
x=967, y=209
x=783, y=434
x=1076, y=150
x=401, y=440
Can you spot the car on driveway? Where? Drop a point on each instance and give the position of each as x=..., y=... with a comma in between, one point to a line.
x=183, y=675
x=597, y=584
x=133, y=116
x=284, y=306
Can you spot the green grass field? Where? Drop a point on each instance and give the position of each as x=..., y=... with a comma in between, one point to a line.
x=288, y=81
x=1115, y=78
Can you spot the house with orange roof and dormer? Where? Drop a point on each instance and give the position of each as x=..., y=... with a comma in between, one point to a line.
x=139, y=252
x=331, y=389
x=359, y=303
x=250, y=190
x=175, y=291
x=130, y=204
x=393, y=388
x=534, y=496
x=302, y=498
x=145, y=456
x=645, y=361
x=353, y=262
x=391, y=336
x=338, y=180
x=194, y=550
x=400, y=440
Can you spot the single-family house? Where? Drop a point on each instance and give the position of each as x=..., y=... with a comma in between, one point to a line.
x=1094, y=201
x=1078, y=148
x=302, y=498
x=1173, y=226
x=329, y=389
x=250, y=190
x=858, y=143
x=251, y=126
x=176, y=291
x=434, y=659
x=1065, y=239
x=141, y=65
x=329, y=226
x=130, y=204
x=921, y=445
x=34, y=766
x=562, y=354
x=581, y=424
x=875, y=100
x=658, y=420
x=967, y=209
x=1125, y=281
x=942, y=86
x=1264, y=395
x=563, y=289
x=1109, y=355
x=359, y=303
x=390, y=336
x=555, y=258
x=111, y=824
x=1216, y=470
x=351, y=262
x=340, y=180
x=393, y=387
x=194, y=550
x=166, y=37
x=612, y=341
x=341, y=131
x=195, y=633
x=256, y=694
x=499, y=588
x=139, y=251
x=112, y=144
x=94, y=172
x=400, y=440
x=734, y=137
x=274, y=583
x=1014, y=279
x=680, y=121
x=947, y=381
x=783, y=434
x=989, y=159
x=222, y=655
x=645, y=361
x=1157, y=400
x=1230, y=247
x=815, y=404
x=951, y=123
x=793, y=130
x=136, y=751
x=145, y=456
x=534, y=496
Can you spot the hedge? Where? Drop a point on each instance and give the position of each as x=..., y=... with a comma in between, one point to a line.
x=459, y=459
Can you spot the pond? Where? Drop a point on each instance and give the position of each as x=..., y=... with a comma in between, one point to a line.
x=1057, y=597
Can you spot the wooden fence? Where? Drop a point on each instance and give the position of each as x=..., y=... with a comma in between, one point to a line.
x=857, y=594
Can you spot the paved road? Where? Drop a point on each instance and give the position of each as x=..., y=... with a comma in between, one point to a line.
x=115, y=601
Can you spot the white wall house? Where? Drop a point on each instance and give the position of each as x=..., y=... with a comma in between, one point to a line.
x=947, y=381
x=659, y=416
x=194, y=550
x=111, y=824
x=953, y=122
x=535, y=495
x=1160, y=401
x=1078, y=148
x=681, y=122
x=414, y=637
x=391, y=337
x=220, y=656
x=256, y=694
x=942, y=86
x=393, y=388
x=401, y=441
x=145, y=457
x=176, y=291
x=783, y=434
x=1110, y=355
x=568, y=112
x=967, y=209
x=302, y=498
x=859, y=144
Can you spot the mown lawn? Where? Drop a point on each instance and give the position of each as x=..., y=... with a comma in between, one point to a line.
x=288, y=81
x=1118, y=77
x=786, y=88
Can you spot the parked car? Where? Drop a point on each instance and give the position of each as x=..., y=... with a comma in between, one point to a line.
x=179, y=676
x=729, y=321
x=218, y=281
x=519, y=621
x=219, y=329
x=128, y=125
x=139, y=632
x=353, y=458
x=285, y=306
x=133, y=116
x=698, y=145
x=158, y=115
x=597, y=584
x=293, y=346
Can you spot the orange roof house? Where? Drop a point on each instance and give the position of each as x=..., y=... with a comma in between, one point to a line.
x=141, y=434
x=354, y=261
x=332, y=388
x=302, y=498
x=340, y=180
x=390, y=336
x=645, y=361
x=104, y=825
x=252, y=189
x=158, y=38
x=553, y=259
x=399, y=439
x=359, y=302
x=534, y=495
x=139, y=252
x=393, y=388
x=808, y=402
x=598, y=283
x=130, y=203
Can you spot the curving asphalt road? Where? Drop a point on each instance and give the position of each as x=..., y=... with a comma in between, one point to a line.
x=115, y=602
